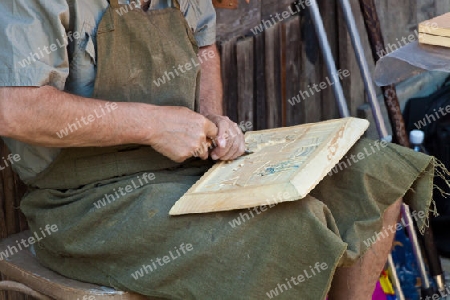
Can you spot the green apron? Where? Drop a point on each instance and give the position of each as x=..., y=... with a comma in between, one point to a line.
x=132, y=50
x=132, y=243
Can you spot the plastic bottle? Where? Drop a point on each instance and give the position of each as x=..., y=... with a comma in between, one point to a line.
x=416, y=138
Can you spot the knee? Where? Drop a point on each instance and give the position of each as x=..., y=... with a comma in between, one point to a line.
x=392, y=212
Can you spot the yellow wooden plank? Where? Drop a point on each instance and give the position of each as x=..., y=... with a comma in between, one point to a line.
x=438, y=26
x=434, y=40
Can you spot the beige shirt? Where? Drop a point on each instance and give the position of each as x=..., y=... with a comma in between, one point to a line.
x=53, y=43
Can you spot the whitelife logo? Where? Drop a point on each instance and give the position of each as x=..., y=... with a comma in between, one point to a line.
x=25, y=243
x=78, y=124
x=146, y=269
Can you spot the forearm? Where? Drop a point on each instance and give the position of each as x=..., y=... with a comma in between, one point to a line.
x=211, y=91
x=40, y=116
x=230, y=140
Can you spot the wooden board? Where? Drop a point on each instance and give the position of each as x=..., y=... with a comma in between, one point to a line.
x=229, y=70
x=273, y=75
x=260, y=105
x=290, y=161
x=435, y=31
x=435, y=40
x=245, y=77
x=439, y=26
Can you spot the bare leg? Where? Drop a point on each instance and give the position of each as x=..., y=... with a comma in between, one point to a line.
x=358, y=281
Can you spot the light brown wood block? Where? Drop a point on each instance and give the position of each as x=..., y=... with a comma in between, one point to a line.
x=435, y=31
x=286, y=164
x=435, y=40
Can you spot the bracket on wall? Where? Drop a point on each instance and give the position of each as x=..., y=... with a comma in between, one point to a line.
x=233, y=4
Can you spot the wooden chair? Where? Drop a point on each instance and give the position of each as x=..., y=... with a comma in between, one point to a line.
x=21, y=271
x=31, y=278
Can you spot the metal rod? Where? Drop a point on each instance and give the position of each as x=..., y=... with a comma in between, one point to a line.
x=329, y=59
x=373, y=28
x=415, y=245
x=362, y=62
x=394, y=278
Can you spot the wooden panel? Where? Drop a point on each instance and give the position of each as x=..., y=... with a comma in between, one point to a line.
x=238, y=22
x=426, y=9
x=289, y=161
x=442, y=6
x=245, y=74
x=311, y=73
x=229, y=70
x=270, y=8
x=11, y=219
x=353, y=85
x=260, y=87
x=273, y=76
x=398, y=19
x=328, y=101
x=292, y=49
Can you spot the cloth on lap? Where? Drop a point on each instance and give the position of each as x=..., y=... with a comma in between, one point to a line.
x=226, y=262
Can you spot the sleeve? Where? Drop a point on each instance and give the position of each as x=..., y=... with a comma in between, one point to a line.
x=201, y=16
x=33, y=51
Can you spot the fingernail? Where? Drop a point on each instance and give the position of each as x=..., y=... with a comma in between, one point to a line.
x=214, y=156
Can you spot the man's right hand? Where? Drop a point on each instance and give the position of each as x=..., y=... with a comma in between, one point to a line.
x=38, y=116
x=179, y=133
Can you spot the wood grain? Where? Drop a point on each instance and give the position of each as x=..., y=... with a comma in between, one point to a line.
x=272, y=48
x=328, y=102
x=292, y=66
x=229, y=69
x=435, y=31
x=245, y=74
x=260, y=87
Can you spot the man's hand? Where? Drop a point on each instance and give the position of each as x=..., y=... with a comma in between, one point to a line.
x=37, y=115
x=230, y=139
x=181, y=133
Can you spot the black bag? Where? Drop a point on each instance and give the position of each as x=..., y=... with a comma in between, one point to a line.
x=431, y=114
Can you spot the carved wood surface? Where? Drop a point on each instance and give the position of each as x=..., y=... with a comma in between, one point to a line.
x=289, y=160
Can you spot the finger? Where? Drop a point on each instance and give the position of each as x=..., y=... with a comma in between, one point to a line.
x=239, y=145
x=211, y=129
x=224, y=144
x=204, y=153
x=229, y=155
x=225, y=134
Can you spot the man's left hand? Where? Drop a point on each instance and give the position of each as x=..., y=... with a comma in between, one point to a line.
x=230, y=139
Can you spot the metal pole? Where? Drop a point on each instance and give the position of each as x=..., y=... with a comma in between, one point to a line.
x=416, y=249
x=362, y=62
x=329, y=59
x=394, y=278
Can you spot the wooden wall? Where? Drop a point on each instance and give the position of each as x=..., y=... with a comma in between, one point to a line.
x=260, y=72
x=11, y=219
